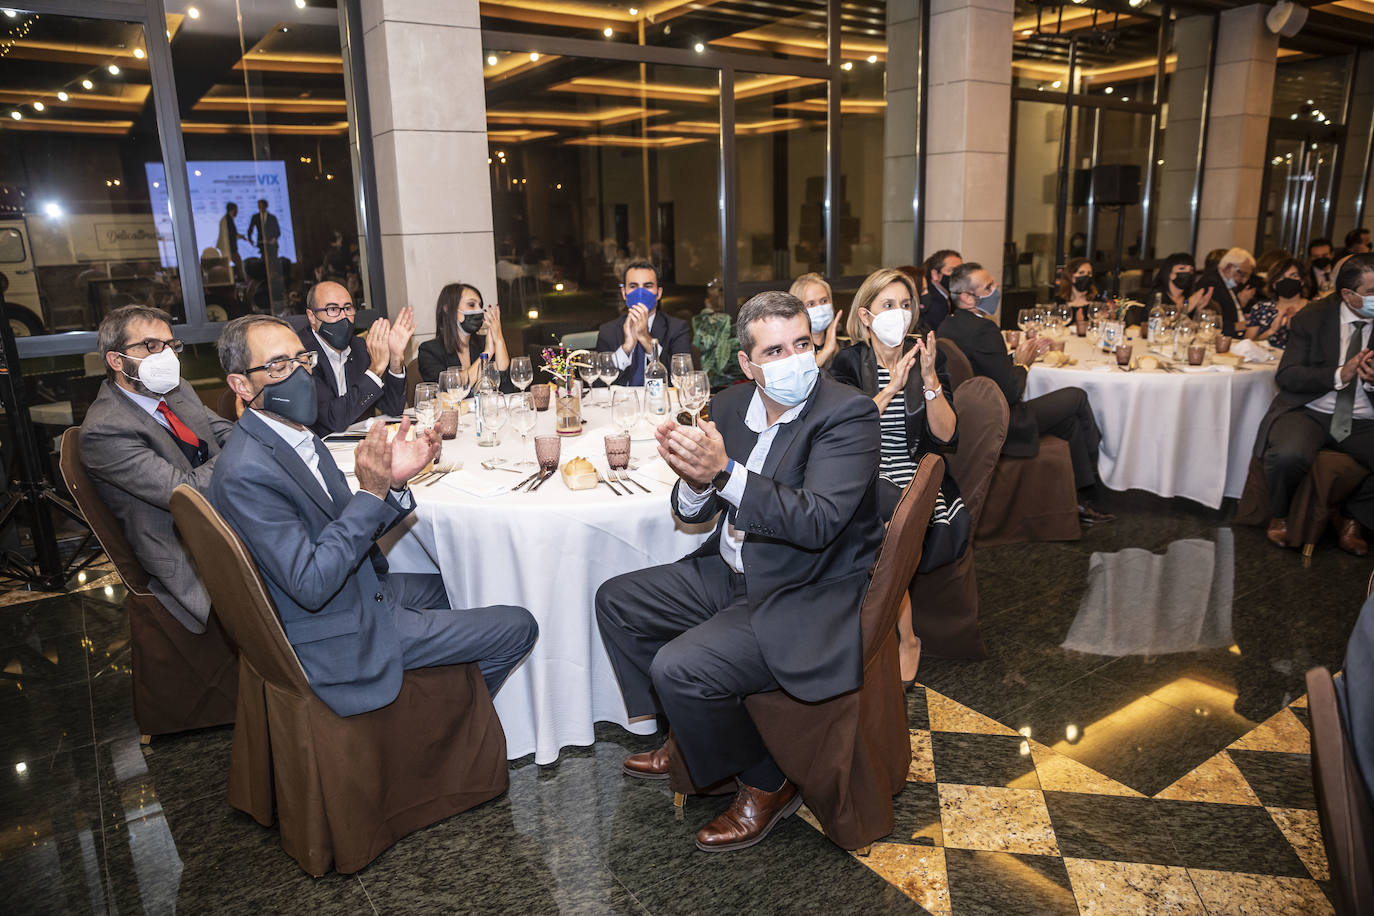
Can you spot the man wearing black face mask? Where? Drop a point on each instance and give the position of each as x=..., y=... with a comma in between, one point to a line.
x=1319, y=264
x=354, y=625
x=356, y=376
x=935, y=305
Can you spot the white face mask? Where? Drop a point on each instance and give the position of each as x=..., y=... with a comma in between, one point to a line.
x=161, y=372
x=788, y=381
x=821, y=316
x=891, y=326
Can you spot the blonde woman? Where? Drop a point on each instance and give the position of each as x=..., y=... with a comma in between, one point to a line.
x=814, y=293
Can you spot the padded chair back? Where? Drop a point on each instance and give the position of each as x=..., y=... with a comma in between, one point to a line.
x=241, y=600
x=983, y=417
x=228, y=405
x=412, y=379
x=579, y=340
x=1343, y=803
x=106, y=529
x=956, y=364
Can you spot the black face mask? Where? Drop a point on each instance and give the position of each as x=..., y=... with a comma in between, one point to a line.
x=1184, y=282
x=944, y=284
x=336, y=333
x=1288, y=288
x=471, y=324
x=1082, y=284
x=1321, y=263
x=293, y=397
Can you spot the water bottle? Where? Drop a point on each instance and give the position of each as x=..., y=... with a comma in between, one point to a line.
x=1157, y=321
x=484, y=383
x=655, y=386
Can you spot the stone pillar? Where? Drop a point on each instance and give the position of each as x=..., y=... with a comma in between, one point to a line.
x=968, y=136
x=901, y=123
x=1356, y=139
x=429, y=136
x=1237, y=130
x=1182, y=132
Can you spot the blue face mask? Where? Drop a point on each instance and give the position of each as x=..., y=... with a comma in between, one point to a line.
x=1230, y=284
x=641, y=296
x=988, y=304
x=789, y=381
x=293, y=397
x=1366, y=308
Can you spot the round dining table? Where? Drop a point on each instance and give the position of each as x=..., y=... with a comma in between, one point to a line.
x=547, y=551
x=1178, y=430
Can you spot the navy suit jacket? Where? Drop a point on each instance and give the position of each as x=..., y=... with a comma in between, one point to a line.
x=336, y=412
x=673, y=335
x=317, y=553
x=982, y=342
x=934, y=308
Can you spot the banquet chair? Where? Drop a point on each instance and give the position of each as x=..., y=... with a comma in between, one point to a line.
x=181, y=680
x=849, y=755
x=1343, y=803
x=412, y=379
x=345, y=789
x=944, y=601
x=1332, y=478
x=956, y=363
x=229, y=406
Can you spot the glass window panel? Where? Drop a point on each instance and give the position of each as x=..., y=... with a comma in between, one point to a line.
x=863, y=116
x=1310, y=92
x=1035, y=184
x=81, y=234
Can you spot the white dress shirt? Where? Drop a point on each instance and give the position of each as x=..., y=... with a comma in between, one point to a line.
x=149, y=404
x=337, y=359
x=1363, y=409
x=689, y=501
x=302, y=442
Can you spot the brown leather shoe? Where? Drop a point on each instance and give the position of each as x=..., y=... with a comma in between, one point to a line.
x=749, y=818
x=1278, y=532
x=1348, y=536
x=649, y=765
x=1087, y=515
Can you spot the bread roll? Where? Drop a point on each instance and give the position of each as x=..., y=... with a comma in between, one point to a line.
x=1147, y=362
x=579, y=474
x=1226, y=359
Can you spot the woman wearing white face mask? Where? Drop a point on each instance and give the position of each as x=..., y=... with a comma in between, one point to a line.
x=905, y=375
x=814, y=293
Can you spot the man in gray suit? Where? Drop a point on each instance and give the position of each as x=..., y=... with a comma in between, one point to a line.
x=147, y=433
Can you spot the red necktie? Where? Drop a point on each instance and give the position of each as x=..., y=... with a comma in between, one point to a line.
x=179, y=429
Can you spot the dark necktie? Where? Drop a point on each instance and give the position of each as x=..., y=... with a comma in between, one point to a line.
x=334, y=480
x=636, y=366
x=191, y=444
x=1343, y=415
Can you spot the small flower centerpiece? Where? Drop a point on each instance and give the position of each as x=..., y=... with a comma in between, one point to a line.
x=562, y=366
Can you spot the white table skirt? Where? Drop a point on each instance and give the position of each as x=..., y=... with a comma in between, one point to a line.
x=548, y=552
x=1177, y=433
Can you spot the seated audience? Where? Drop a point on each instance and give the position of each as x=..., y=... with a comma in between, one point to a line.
x=814, y=293
x=350, y=381
x=788, y=467
x=1175, y=282
x=935, y=306
x=146, y=433
x=1076, y=289
x=906, y=377
x=460, y=319
x=1266, y=262
x=631, y=338
x=1269, y=319
x=1226, y=283
x=1064, y=413
x=1325, y=401
x=1357, y=241
x=1321, y=277
x=1213, y=258
x=355, y=626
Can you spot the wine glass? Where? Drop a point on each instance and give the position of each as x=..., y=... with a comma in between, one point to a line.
x=521, y=372
x=693, y=393
x=522, y=417
x=493, y=407
x=680, y=367
x=426, y=405
x=1024, y=319
x=1063, y=314
x=452, y=389
x=605, y=367
x=590, y=373
x=625, y=408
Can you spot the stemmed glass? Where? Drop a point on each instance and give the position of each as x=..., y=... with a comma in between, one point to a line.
x=493, y=407
x=452, y=389
x=681, y=367
x=522, y=417
x=521, y=372
x=605, y=367
x=625, y=408
x=1024, y=319
x=426, y=405
x=693, y=392
x=1063, y=314
x=590, y=373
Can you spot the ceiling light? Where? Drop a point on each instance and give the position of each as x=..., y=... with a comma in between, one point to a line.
x=1056, y=84
x=192, y=12
x=62, y=96
x=847, y=65
x=532, y=314
x=872, y=58
x=18, y=116
x=1159, y=162
x=491, y=60
x=488, y=160
x=197, y=173
x=608, y=31
x=534, y=56
x=698, y=47
x=39, y=106
x=558, y=187
x=300, y=4
x=1310, y=102
x=1028, y=33
x=21, y=766
x=633, y=11
x=1125, y=98
x=1135, y=4
x=1293, y=116
x=558, y=287
x=156, y=184
x=52, y=210
x=1109, y=90
x=114, y=69
x=116, y=182
x=11, y=13
x=329, y=176
x=138, y=53
x=87, y=84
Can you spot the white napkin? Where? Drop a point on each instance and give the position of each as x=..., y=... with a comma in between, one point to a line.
x=657, y=469
x=1252, y=352
x=478, y=485
x=1213, y=368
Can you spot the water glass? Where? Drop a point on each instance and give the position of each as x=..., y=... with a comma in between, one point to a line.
x=625, y=408
x=541, y=397
x=1223, y=343
x=493, y=407
x=522, y=417
x=680, y=368
x=452, y=389
x=546, y=449
x=589, y=372
x=521, y=372
x=618, y=451
x=1197, y=352
x=426, y=404
x=1123, y=354
x=693, y=393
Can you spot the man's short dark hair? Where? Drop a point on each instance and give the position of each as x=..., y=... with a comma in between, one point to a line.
x=232, y=345
x=937, y=260
x=262, y=202
x=771, y=304
x=114, y=326
x=1317, y=243
x=1354, y=237
x=961, y=278
x=230, y=206
x=1353, y=271
x=640, y=265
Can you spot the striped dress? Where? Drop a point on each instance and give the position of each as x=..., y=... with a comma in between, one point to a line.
x=895, y=464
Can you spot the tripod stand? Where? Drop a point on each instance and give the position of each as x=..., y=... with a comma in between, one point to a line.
x=30, y=489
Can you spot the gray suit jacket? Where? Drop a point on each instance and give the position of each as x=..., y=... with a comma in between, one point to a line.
x=135, y=465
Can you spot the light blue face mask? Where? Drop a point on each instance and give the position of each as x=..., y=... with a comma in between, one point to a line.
x=988, y=304
x=1230, y=284
x=788, y=381
x=1366, y=308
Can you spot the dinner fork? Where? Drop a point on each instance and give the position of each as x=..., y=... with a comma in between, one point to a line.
x=622, y=476
x=601, y=479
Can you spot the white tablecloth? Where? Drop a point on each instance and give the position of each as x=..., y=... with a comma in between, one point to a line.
x=1182, y=433
x=549, y=552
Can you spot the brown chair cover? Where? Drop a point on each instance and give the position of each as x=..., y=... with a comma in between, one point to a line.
x=1333, y=477
x=1031, y=499
x=228, y=405
x=956, y=363
x=850, y=754
x=345, y=788
x=1343, y=804
x=412, y=379
x=944, y=601
x=181, y=680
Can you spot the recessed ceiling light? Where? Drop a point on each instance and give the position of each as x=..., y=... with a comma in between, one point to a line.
x=534, y=55
x=698, y=47
x=491, y=60
x=87, y=84
x=633, y=11
x=847, y=65
x=1027, y=33
x=11, y=13
x=1056, y=84
x=138, y=53
x=1125, y=98
x=300, y=4
x=1109, y=90
x=197, y=173
x=62, y=96
x=608, y=31
x=52, y=209
x=39, y=106
x=193, y=12
x=114, y=69
x=872, y=58
x=18, y=116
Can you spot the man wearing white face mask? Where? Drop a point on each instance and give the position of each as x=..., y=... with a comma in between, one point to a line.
x=789, y=464
x=146, y=433
x=1065, y=413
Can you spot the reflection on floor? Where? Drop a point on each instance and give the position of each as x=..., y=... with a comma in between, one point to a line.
x=1136, y=743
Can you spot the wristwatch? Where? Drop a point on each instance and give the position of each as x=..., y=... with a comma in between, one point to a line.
x=723, y=478
x=933, y=393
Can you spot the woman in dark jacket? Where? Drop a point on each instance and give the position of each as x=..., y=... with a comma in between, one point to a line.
x=913, y=394
x=465, y=328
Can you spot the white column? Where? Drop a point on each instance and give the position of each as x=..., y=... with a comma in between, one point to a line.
x=1192, y=45
x=900, y=126
x=1352, y=168
x=429, y=123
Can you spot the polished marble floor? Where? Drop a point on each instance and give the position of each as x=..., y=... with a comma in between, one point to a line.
x=1136, y=743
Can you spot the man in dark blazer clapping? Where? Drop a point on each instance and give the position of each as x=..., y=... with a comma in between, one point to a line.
x=630, y=339
x=354, y=376
x=772, y=600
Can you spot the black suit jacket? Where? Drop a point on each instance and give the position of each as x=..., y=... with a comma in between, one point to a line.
x=1224, y=299
x=934, y=308
x=858, y=366
x=673, y=335
x=432, y=359
x=336, y=412
x=986, y=350
x=812, y=532
x=1308, y=368
x=268, y=234
x=1355, y=689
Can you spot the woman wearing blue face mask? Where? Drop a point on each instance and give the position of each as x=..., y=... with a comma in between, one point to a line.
x=905, y=375
x=814, y=293
x=465, y=328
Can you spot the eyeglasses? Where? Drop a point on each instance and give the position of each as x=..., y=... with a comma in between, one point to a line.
x=282, y=367
x=334, y=311
x=152, y=345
